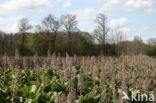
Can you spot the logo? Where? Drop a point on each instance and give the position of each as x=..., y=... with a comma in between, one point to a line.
x=138, y=97
x=125, y=97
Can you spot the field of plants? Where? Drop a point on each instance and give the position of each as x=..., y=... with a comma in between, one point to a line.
x=76, y=79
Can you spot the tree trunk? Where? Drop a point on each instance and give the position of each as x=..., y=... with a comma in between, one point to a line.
x=69, y=43
x=22, y=44
x=54, y=41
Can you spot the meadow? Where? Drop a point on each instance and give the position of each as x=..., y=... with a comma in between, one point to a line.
x=74, y=79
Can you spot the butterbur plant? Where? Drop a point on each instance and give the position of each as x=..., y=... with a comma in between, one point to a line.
x=75, y=79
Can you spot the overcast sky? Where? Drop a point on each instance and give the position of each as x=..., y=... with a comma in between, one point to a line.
x=135, y=17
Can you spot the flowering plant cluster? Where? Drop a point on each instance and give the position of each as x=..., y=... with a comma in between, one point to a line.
x=75, y=79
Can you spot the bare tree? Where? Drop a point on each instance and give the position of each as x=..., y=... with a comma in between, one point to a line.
x=138, y=45
x=151, y=41
x=69, y=23
x=51, y=25
x=101, y=30
x=39, y=28
x=118, y=35
x=24, y=26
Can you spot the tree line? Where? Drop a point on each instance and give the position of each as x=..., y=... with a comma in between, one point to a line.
x=62, y=36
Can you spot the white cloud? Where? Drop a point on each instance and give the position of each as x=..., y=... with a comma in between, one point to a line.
x=125, y=30
x=142, y=30
x=24, y=6
x=128, y=5
x=152, y=11
x=138, y=4
x=122, y=22
x=86, y=16
x=67, y=4
x=111, y=4
x=12, y=9
x=9, y=24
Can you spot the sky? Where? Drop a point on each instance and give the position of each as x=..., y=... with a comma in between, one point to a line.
x=134, y=17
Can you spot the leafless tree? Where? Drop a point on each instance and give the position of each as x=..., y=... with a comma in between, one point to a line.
x=151, y=41
x=69, y=23
x=101, y=30
x=138, y=45
x=51, y=25
x=24, y=26
x=39, y=28
x=118, y=35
